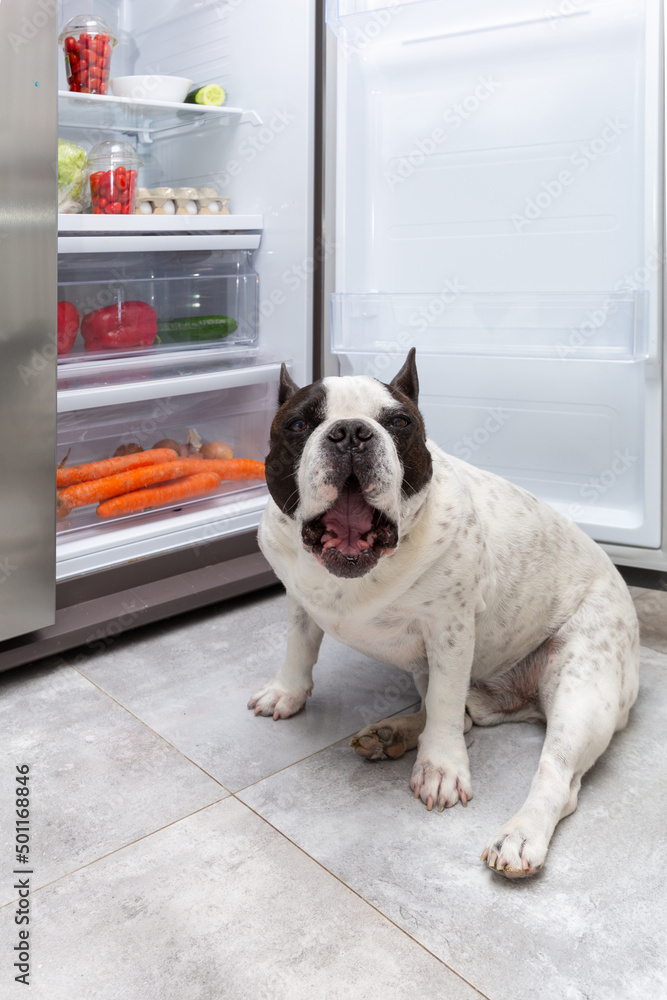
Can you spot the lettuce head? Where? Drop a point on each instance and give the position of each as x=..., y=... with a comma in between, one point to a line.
x=72, y=180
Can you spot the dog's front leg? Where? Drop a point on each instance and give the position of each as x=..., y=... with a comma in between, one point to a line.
x=441, y=775
x=289, y=690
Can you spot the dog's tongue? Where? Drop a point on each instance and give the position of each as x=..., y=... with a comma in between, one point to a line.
x=348, y=519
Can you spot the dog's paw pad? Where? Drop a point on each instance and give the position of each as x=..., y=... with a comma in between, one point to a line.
x=441, y=786
x=276, y=701
x=378, y=743
x=516, y=851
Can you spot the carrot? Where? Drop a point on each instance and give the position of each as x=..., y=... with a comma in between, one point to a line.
x=235, y=468
x=124, y=482
x=180, y=489
x=110, y=466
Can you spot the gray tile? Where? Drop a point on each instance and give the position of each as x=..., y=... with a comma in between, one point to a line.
x=190, y=679
x=218, y=906
x=586, y=928
x=651, y=608
x=98, y=777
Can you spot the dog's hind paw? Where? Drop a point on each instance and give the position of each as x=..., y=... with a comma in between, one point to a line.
x=378, y=743
x=276, y=701
x=516, y=851
x=389, y=738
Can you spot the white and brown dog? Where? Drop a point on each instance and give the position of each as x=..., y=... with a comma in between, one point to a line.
x=493, y=601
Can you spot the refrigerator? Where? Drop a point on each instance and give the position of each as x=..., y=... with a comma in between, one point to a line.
x=484, y=183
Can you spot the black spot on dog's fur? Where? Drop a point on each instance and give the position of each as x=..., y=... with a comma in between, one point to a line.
x=307, y=404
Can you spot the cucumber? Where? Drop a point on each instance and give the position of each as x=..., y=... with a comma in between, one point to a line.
x=186, y=329
x=212, y=95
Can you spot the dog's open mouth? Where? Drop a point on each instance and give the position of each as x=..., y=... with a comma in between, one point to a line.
x=350, y=537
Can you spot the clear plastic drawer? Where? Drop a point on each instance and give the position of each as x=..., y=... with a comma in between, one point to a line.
x=139, y=303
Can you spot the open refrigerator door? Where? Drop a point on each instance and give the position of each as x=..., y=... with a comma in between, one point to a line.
x=499, y=206
x=184, y=280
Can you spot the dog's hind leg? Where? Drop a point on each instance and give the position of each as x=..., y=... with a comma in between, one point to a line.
x=392, y=737
x=389, y=738
x=588, y=684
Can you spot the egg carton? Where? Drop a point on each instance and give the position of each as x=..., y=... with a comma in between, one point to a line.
x=179, y=201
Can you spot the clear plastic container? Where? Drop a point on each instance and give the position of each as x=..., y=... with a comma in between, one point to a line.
x=87, y=41
x=200, y=299
x=112, y=168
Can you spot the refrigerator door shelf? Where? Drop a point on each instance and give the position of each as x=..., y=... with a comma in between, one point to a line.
x=148, y=120
x=116, y=381
x=164, y=224
x=604, y=326
x=96, y=548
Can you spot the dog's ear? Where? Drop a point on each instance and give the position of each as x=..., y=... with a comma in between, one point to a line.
x=287, y=386
x=407, y=380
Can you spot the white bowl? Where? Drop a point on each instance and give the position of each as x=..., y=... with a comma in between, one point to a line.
x=151, y=87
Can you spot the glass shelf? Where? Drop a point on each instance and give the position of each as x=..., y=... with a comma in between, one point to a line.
x=147, y=120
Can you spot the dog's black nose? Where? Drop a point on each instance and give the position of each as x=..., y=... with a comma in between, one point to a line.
x=350, y=433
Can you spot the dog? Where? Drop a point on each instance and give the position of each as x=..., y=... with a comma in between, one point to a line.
x=501, y=608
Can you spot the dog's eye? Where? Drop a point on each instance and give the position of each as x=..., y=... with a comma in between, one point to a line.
x=297, y=425
x=399, y=422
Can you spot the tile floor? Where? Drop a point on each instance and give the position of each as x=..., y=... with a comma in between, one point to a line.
x=182, y=848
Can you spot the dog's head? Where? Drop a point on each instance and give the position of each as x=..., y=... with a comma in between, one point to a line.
x=348, y=455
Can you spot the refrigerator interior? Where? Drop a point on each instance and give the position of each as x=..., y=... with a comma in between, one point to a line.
x=499, y=206
x=252, y=266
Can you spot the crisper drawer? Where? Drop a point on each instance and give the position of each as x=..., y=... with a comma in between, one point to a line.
x=132, y=304
x=238, y=416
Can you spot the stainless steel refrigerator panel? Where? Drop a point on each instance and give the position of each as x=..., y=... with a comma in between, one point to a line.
x=28, y=233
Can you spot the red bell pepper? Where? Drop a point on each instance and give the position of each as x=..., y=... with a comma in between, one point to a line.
x=118, y=327
x=68, y=326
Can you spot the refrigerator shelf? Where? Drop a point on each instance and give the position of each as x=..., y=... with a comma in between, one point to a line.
x=140, y=243
x=148, y=120
x=87, y=225
x=113, y=381
x=603, y=326
x=96, y=545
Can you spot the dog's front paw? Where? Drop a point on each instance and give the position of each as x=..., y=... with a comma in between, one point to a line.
x=517, y=850
x=278, y=702
x=442, y=784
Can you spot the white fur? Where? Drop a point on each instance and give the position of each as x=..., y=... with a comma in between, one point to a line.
x=483, y=575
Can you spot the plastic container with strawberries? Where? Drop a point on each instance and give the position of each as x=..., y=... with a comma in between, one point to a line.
x=112, y=168
x=87, y=41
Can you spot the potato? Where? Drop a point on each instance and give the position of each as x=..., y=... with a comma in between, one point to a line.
x=132, y=448
x=216, y=449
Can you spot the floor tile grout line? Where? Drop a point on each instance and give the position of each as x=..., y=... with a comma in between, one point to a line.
x=313, y=754
x=367, y=902
x=194, y=762
x=123, y=847
x=150, y=728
